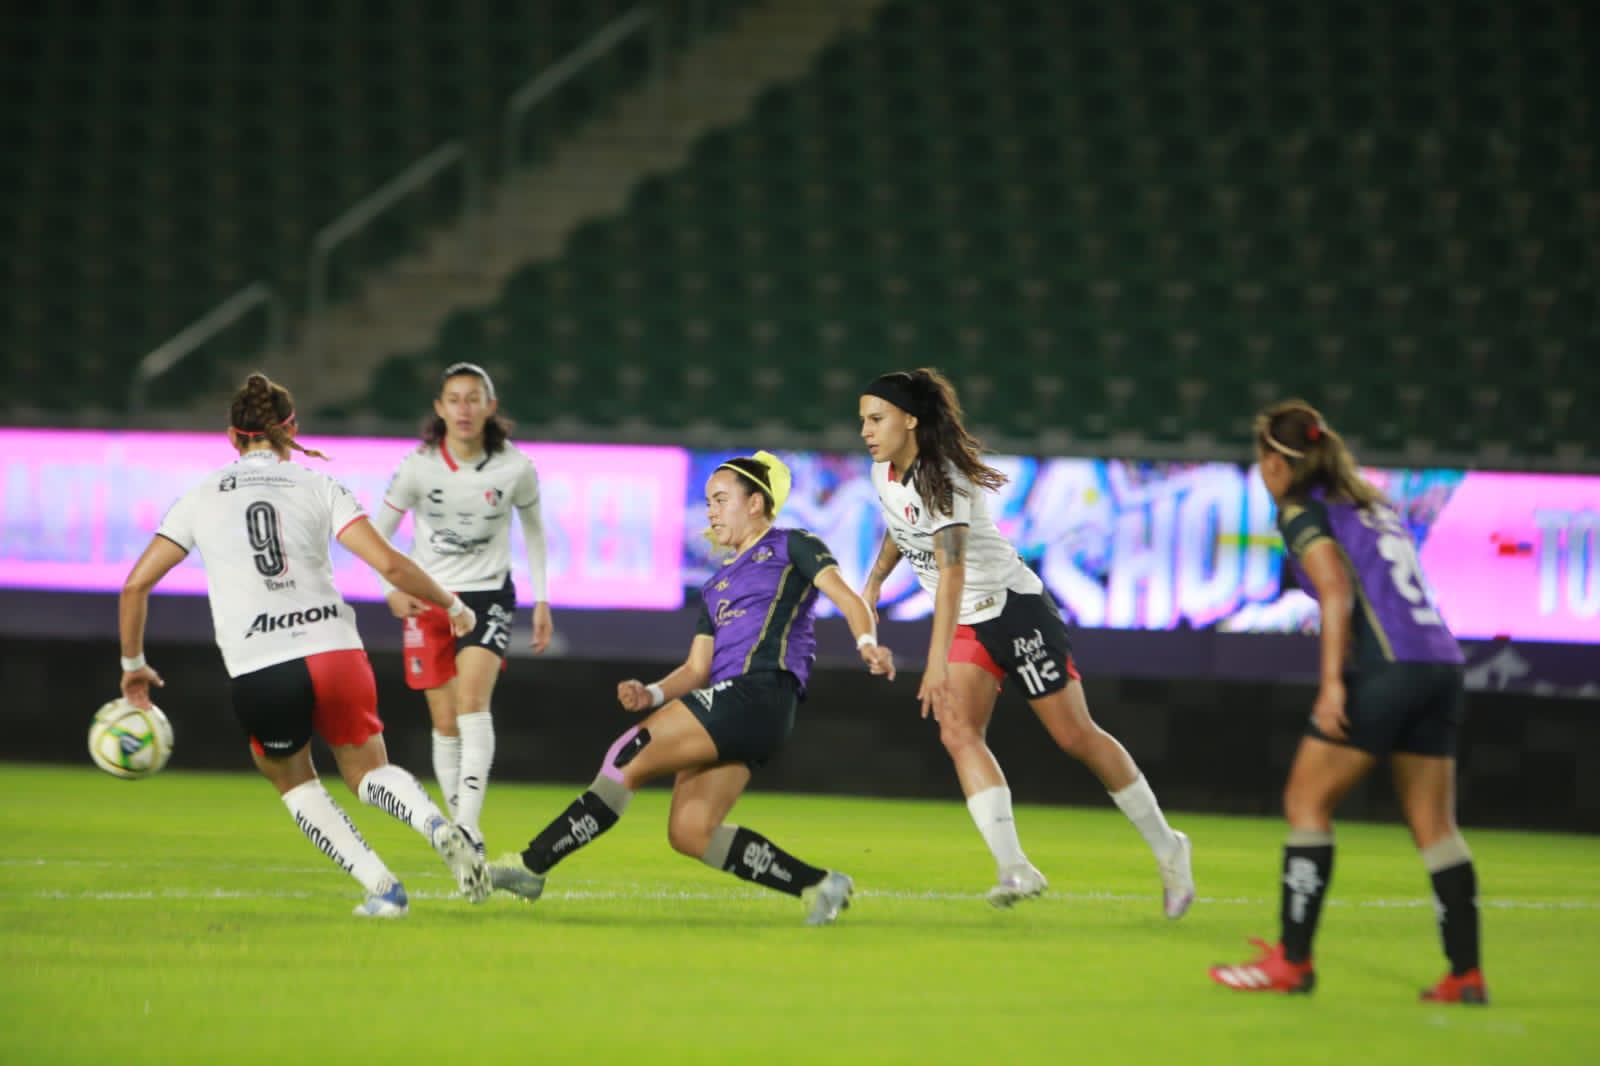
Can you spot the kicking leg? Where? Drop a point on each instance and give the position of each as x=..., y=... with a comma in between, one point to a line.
x=671, y=739
x=394, y=791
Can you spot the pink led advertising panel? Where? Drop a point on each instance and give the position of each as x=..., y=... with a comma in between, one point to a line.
x=77, y=508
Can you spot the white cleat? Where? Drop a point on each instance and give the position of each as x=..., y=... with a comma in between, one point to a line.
x=473, y=836
x=388, y=902
x=459, y=853
x=825, y=899
x=1017, y=883
x=1177, y=878
x=508, y=874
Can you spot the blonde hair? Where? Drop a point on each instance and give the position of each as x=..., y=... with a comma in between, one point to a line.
x=1317, y=456
x=264, y=409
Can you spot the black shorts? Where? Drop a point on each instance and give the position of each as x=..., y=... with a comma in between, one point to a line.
x=1411, y=708
x=1027, y=641
x=749, y=716
x=332, y=694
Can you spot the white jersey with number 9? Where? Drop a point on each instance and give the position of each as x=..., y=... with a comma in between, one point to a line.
x=262, y=527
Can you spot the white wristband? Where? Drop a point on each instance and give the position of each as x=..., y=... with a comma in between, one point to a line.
x=657, y=697
x=135, y=663
x=866, y=639
x=457, y=607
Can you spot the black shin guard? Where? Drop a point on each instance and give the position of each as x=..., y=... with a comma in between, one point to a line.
x=752, y=857
x=1307, y=868
x=585, y=819
x=1456, y=891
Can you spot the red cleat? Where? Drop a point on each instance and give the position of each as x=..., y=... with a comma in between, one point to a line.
x=1270, y=972
x=1467, y=988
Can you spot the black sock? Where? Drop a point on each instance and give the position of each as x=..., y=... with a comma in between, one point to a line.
x=587, y=818
x=1456, y=891
x=755, y=858
x=1306, y=871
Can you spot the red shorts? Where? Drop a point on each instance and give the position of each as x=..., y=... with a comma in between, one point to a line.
x=431, y=646
x=332, y=693
x=966, y=648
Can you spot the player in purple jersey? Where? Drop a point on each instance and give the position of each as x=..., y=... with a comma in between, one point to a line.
x=1391, y=687
x=730, y=706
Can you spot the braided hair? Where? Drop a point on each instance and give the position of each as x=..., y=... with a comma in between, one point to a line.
x=264, y=409
x=942, y=438
x=1317, y=456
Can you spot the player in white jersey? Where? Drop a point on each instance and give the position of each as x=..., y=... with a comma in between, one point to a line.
x=461, y=487
x=289, y=641
x=992, y=618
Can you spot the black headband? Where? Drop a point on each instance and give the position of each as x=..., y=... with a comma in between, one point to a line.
x=896, y=388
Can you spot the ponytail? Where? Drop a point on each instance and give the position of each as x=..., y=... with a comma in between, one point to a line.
x=1317, y=456
x=263, y=408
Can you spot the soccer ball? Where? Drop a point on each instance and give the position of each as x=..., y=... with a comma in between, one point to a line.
x=130, y=742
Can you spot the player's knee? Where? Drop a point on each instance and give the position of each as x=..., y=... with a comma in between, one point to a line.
x=689, y=836
x=620, y=763
x=958, y=736
x=1305, y=809
x=1077, y=739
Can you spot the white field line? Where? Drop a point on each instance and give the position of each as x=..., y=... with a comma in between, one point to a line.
x=646, y=893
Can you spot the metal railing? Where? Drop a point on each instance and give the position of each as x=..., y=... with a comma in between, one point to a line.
x=363, y=214
x=548, y=81
x=166, y=356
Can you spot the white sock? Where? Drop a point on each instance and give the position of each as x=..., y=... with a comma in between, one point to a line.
x=477, y=755
x=1139, y=804
x=396, y=793
x=991, y=810
x=447, y=768
x=327, y=826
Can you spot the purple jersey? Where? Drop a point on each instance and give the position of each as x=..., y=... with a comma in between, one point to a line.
x=759, y=607
x=1396, y=618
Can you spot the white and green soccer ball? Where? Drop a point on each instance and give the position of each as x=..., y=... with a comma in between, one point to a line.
x=130, y=742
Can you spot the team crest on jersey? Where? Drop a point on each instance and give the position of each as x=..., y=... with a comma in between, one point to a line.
x=913, y=513
x=493, y=497
x=228, y=484
x=762, y=554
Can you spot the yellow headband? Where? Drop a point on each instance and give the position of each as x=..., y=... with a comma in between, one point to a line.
x=777, y=482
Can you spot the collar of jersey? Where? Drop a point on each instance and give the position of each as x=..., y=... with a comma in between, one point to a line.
x=770, y=530
x=450, y=460
x=250, y=457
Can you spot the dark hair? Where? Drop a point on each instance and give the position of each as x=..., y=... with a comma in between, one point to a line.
x=941, y=438
x=753, y=474
x=263, y=408
x=1317, y=456
x=496, y=431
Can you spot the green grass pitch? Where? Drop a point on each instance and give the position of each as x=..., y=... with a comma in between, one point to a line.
x=184, y=919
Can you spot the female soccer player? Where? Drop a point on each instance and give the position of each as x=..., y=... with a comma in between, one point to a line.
x=730, y=706
x=462, y=485
x=289, y=641
x=1391, y=686
x=992, y=619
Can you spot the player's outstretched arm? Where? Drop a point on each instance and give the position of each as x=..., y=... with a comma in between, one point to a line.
x=694, y=673
x=888, y=558
x=133, y=608
x=368, y=545
x=863, y=621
